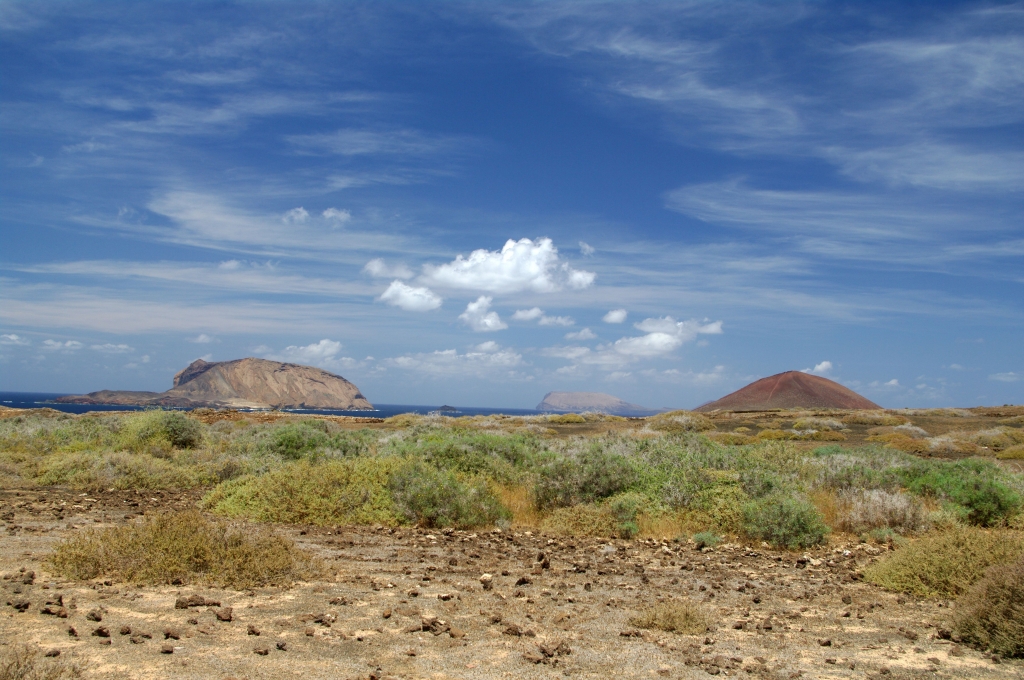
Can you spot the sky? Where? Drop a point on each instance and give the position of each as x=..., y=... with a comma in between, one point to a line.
x=476, y=203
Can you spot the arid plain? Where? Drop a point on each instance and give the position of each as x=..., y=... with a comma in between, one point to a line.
x=523, y=597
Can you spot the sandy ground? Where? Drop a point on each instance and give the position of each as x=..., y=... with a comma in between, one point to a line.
x=407, y=603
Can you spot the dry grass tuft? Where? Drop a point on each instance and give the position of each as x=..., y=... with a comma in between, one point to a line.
x=519, y=502
x=24, y=662
x=858, y=511
x=874, y=418
x=580, y=520
x=679, y=616
x=680, y=421
x=183, y=547
x=946, y=564
x=1012, y=453
x=991, y=614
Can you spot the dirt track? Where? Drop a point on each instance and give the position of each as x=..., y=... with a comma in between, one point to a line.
x=779, y=615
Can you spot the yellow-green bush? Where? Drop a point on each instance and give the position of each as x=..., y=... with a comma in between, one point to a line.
x=350, y=491
x=160, y=430
x=1012, y=453
x=182, y=547
x=566, y=418
x=119, y=470
x=946, y=564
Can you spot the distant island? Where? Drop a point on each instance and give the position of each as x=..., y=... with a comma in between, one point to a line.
x=592, y=401
x=242, y=383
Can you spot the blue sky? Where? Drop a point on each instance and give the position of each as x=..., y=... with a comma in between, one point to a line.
x=477, y=203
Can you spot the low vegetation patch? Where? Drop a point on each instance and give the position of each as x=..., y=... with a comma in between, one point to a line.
x=440, y=498
x=179, y=548
x=25, y=662
x=351, y=491
x=946, y=564
x=678, y=616
x=990, y=615
x=680, y=421
x=784, y=521
x=862, y=511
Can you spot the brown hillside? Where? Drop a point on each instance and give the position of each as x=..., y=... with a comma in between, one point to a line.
x=791, y=389
x=243, y=383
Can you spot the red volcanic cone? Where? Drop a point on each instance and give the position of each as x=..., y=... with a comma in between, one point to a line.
x=791, y=389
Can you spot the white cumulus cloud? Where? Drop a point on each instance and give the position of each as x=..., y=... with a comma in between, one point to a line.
x=111, y=348
x=409, y=298
x=1006, y=377
x=336, y=215
x=490, y=361
x=581, y=334
x=202, y=339
x=378, y=268
x=823, y=368
x=520, y=265
x=586, y=249
x=478, y=317
x=537, y=314
x=67, y=346
x=662, y=336
x=13, y=339
x=295, y=216
x=528, y=314
x=324, y=354
x=615, y=316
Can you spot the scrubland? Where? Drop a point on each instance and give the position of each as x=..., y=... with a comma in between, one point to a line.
x=927, y=505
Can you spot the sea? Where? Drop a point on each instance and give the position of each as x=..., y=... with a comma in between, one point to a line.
x=46, y=400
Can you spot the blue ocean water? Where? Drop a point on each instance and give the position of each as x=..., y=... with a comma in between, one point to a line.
x=45, y=400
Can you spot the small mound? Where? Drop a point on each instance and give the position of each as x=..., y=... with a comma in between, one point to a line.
x=791, y=389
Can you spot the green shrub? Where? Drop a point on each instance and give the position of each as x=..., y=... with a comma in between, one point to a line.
x=625, y=508
x=590, y=476
x=182, y=547
x=784, y=520
x=946, y=564
x=349, y=491
x=140, y=431
x=438, y=498
x=294, y=441
x=472, y=453
x=706, y=539
x=976, y=486
x=990, y=615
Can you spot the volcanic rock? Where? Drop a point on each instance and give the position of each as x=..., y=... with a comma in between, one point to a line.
x=242, y=383
x=792, y=389
x=596, y=402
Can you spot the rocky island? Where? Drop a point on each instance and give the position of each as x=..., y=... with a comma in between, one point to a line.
x=242, y=383
x=597, y=402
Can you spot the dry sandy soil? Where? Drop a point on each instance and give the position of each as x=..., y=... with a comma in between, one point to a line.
x=406, y=603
